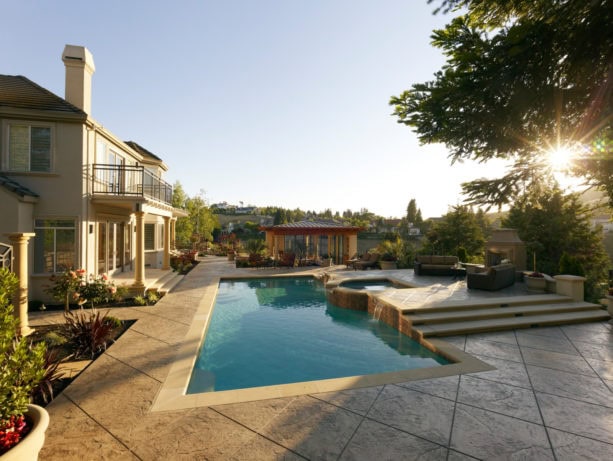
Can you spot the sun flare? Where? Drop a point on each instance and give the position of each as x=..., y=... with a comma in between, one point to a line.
x=560, y=158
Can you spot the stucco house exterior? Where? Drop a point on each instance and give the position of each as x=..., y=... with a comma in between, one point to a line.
x=91, y=200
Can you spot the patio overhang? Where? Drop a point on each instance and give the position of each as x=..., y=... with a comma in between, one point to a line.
x=138, y=203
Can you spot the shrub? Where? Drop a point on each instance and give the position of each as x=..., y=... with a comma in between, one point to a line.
x=462, y=254
x=97, y=290
x=140, y=301
x=89, y=331
x=77, y=286
x=43, y=391
x=21, y=369
x=65, y=285
x=152, y=297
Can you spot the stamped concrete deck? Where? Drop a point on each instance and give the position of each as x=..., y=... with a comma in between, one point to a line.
x=550, y=397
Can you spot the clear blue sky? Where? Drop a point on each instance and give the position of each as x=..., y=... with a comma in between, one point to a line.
x=266, y=102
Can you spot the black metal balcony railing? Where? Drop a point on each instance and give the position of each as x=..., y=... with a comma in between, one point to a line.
x=129, y=180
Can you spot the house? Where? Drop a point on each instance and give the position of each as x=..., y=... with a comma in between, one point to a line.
x=91, y=200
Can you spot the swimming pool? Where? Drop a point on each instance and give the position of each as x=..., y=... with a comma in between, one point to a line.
x=271, y=331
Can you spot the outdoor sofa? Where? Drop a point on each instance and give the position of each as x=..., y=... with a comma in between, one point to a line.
x=367, y=261
x=435, y=265
x=493, y=278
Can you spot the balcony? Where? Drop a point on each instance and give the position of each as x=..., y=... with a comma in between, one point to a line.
x=129, y=181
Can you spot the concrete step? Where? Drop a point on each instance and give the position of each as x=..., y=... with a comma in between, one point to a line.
x=510, y=323
x=162, y=281
x=490, y=303
x=171, y=283
x=485, y=313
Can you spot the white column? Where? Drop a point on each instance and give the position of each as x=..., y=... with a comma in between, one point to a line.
x=173, y=234
x=19, y=240
x=166, y=260
x=139, y=255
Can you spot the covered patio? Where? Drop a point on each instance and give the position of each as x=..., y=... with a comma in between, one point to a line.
x=313, y=240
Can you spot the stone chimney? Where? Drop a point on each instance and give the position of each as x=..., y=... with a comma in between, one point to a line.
x=80, y=67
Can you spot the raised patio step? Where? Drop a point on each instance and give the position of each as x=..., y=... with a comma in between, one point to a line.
x=494, y=312
x=488, y=303
x=171, y=283
x=510, y=323
x=165, y=283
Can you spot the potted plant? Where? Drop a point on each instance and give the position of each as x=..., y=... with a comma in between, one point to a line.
x=22, y=426
x=389, y=254
x=536, y=282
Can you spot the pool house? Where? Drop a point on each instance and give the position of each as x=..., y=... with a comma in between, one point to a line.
x=316, y=240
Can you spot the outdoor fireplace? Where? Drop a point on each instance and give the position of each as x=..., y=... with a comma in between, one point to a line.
x=505, y=244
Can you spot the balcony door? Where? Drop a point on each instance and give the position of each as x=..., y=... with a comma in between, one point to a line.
x=114, y=246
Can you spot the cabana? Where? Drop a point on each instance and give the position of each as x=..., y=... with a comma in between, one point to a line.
x=313, y=241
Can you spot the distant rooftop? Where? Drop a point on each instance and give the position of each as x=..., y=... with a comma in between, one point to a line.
x=141, y=150
x=312, y=226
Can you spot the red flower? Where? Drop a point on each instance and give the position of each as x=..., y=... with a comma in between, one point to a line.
x=11, y=432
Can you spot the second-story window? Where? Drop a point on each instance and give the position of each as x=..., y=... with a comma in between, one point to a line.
x=29, y=148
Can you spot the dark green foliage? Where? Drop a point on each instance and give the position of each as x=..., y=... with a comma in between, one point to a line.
x=521, y=77
x=570, y=265
x=97, y=290
x=22, y=365
x=140, y=301
x=462, y=254
x=552, y=224
x=43, y=391
x=458, y=228
x=255, y=247
x=88, y=331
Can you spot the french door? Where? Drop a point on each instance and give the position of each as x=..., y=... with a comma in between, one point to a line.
x=114, y=246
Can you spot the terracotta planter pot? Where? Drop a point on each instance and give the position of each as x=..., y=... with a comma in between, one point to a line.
x=536, y=284
x=32, y=443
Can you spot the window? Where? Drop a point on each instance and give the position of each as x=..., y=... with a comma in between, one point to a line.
x=149, y=236
x=55, y=245
x=160, y=236
x=29, y=148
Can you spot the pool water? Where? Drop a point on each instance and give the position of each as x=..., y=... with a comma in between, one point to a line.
x=271, y=331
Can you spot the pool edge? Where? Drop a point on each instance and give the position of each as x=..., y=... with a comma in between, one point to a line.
x=172, y=393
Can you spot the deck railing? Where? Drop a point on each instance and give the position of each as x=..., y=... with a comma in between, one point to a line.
x=129, y=180
x=6, y=256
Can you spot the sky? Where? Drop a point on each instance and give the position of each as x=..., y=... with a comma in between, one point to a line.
x=265, y=102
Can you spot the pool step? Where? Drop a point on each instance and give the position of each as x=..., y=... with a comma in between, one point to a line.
x=486, y=313
x=501, y=314
x=488, y=303
x=511, y=323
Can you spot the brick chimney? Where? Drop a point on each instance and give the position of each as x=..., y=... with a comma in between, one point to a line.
x=80, y=67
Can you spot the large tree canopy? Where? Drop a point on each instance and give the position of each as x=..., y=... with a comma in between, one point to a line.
x=522, y=77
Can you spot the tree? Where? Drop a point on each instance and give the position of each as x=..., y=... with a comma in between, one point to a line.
x=412, y=211
x=522, y=77
x=179, y=197
x=459, y=228
x=554, y=225
x=200, y=219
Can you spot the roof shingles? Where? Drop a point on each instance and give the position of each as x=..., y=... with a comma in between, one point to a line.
x=13, y=186
x=19, y=92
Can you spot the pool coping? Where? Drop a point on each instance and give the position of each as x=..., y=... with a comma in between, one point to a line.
x=172, y=394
